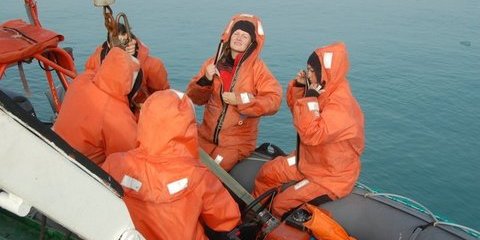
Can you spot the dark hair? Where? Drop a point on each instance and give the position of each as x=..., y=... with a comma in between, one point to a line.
x=314, y=62
x=245, y=26
x=226, y=60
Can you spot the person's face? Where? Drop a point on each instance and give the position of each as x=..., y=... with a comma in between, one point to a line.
x=311, y=74
x=240, y=41
x=123, y=38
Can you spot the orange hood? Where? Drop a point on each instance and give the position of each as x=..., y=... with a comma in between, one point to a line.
x=115, y=75
x=167, y=126
x=335, y=64
x=259, y=35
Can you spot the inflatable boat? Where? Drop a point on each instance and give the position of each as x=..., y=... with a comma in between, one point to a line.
x=367, y=214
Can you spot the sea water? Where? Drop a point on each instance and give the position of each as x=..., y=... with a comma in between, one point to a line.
x=414, y=68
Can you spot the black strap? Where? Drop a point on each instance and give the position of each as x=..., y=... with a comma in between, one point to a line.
x=136, y=86
x=418, y=230
x=203, y=81
x=270, y=150
x=320, y=200
x=316, y=202
x=104, y=52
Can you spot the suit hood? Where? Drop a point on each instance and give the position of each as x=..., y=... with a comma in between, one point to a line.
x=257, y=45
x=167, y=126
x=115, y=75
x=334, y=65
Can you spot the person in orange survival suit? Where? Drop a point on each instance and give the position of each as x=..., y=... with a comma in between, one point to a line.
x=236, y=90
x=168, y=191
x=95, y=118
x=152, y=75
x=330, y=128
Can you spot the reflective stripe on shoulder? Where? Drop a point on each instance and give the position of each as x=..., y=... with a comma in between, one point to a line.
x=131, y=183
x=177, y=186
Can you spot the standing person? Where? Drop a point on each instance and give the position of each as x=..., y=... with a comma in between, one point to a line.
x=95, y=117
x=152, y=75
x=330, y=127
x=236, y=90
x=168, y=192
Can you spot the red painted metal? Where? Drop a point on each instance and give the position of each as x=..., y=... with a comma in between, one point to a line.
x=31, y=7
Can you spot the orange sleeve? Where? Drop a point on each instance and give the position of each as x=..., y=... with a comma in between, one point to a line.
x=155, y=74
x=335, y=122
x=111, y=164
x=293, y=93
x=269, y=95
x=197, y=93
x=119, y=130
x=220, y=212
x=107, y=164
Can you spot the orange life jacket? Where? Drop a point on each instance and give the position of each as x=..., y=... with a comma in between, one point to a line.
x=324, y=227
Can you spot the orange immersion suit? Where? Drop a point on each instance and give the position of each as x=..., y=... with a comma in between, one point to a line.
x=95, y=118
x=228, y=133
x=168, y=191
x=331, y=132
x=154, y=73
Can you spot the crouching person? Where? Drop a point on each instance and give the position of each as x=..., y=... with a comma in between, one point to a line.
x=168, y=191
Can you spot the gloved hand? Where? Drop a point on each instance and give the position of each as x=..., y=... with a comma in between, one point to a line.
x=314, y=90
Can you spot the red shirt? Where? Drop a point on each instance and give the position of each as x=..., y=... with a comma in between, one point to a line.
x=227, y=74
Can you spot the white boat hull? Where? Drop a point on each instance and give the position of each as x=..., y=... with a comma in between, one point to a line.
x=38, y=171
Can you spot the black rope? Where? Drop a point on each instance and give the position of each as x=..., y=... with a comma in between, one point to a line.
x=269, y=193
x=44, y=68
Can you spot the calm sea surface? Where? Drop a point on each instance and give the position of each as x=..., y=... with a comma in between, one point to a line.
x=415, y=69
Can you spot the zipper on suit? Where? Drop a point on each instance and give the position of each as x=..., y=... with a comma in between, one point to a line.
x=221, y=118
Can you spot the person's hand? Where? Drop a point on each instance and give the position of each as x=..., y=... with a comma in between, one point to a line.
x=301, y=76
x=314, y=90
x=229, y=98
x=131, y=47
x=210, y=71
